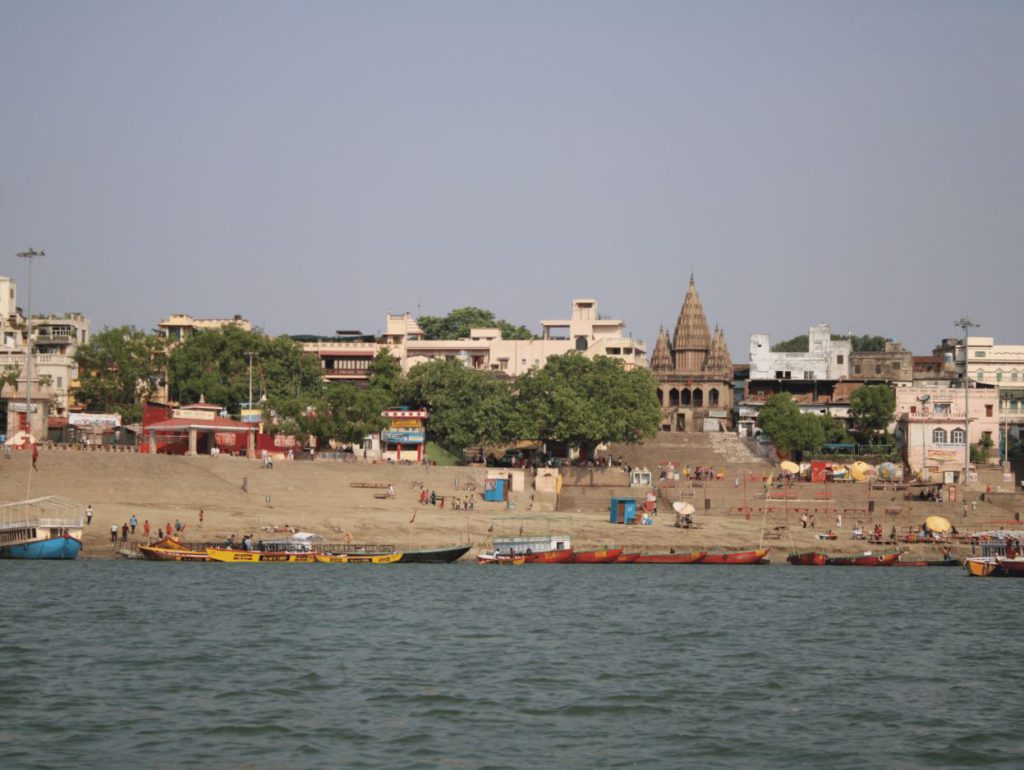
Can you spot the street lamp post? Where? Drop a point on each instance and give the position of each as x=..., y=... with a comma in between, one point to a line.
x=30, y=254
x=966, y=324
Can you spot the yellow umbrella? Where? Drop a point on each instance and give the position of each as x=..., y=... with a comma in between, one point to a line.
x=861, y=470
x=937, y=524
x=789, y=466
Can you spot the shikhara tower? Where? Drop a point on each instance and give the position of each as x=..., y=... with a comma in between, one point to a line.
x=694, y=372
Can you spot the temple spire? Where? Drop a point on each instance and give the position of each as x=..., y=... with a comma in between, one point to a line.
x=661, y=358
x=692, y=337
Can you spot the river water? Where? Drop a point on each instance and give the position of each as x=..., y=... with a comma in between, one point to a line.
x=128, y=664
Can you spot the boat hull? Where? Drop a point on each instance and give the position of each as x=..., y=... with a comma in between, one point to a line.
x=549, y=557
x=603, y=556
x=808, y=559
x=735, y=557
x=435, y=555
x=62, y=547
x=169, y=549
x=671, y=558
x=628, y=558
x=233, y=556
x=865, y=560
x=358, y=558
x=490, y=558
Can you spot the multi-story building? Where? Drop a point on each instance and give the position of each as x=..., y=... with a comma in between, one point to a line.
x=1001, y=366
x=56, y=339
x=930, y=424
x=825, y=359
x=894, y=365
x=178, y=327
x=694, y=371
x=585, y=331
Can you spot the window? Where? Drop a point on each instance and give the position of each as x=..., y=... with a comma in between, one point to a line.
x=778, y=375
x=503, y=364
x=988, y=410
x=808, y=375
x=999, y=376
x=980, y=376
x=957, y=436
x=839, y=359
x=913, y=409
x=60, y=383
x=878, y=368
x=979, y=353
x=938, y=436
x=856, y=368
x=1013, y=376
x=942, y=409
x=895, y=366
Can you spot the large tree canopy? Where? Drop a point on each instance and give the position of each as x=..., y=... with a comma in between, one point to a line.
x=214, y=364
x=790, y=430
x=118, y=370
x=467, y=407
x=457, y=323
x=871, y=410
x=584, y=402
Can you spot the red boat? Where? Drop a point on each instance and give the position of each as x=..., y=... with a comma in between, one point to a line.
x=866, y=560
x=605, y=556
x=808, y=559
x=627, y=558
x=671, y=558
x=1011, y=567
x=735, y=557
x=549, y=557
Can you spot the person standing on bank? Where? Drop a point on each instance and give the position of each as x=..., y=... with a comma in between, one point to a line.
x=88, y=514
x=113, y=533
x=133, y=523
x=35, y=456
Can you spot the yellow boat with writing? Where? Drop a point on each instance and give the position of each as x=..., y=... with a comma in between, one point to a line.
x=236, y=556
x=358, y=558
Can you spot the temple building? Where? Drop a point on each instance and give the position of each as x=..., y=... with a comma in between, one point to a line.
x=694, y=372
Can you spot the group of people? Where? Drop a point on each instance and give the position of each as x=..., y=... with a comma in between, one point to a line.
x=456, y=503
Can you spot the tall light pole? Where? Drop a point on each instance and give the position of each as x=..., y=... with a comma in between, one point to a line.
x=966, y=324
x=29, y=255
x=250, y=354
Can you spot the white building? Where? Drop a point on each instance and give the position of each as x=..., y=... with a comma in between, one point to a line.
x=826, y=358
x=1001, y=366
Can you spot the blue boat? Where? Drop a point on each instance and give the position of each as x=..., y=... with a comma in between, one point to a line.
x=43, y=528
x=59, y=547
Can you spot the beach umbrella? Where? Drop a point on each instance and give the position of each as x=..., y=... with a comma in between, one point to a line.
x=789, y=466
x=683, y=508
x=937, y=524
x=860, y=470
x=889, y=471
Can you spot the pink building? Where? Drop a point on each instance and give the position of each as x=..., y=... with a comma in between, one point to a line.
x=930, y=422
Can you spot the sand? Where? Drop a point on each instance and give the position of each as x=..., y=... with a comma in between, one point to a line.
x=319, y=497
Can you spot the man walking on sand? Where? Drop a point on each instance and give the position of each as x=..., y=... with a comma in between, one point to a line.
x=145, y=529
x=35, y=456
x=133, y=523
x=113, y=533
x=88, y=514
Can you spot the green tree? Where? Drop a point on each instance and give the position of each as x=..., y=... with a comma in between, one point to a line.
x=859, y=344
x=467, y=407
x=214, y=364
x=457, y=323
x=835, y=430
x=118, y=370
x=790, y=430
x=583, y=402
x=871, y=411
x=10, y=376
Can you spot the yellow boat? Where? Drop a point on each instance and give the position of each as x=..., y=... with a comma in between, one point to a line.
x=981, y=567
x=236, y=556
x=358, y=558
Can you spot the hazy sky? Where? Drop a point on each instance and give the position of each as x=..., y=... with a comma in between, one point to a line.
x=311, y=165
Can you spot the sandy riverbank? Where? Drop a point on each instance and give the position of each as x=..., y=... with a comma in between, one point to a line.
x=319, y=497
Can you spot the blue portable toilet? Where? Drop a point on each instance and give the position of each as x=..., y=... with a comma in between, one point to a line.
x=494, y=490
x=623, y=510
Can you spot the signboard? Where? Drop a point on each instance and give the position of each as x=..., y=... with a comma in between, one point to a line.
x=406, y=423
x=83, y=419
x=251, y=415
x=403, y=436
x=945, y=455
x=195, y=414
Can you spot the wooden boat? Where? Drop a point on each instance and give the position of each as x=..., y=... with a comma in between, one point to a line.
x=238, y=556
x=358, y=558
x=866, y=559
x=170, y=549
x=628, y=558
x=808, y=559
x=671, y=558
x=434, y=555
x=928, y=563
x=1010, y=567
x=486, y=557
x=603, y=556
x=735, y=557
x=983, y=566
x=549, y=557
